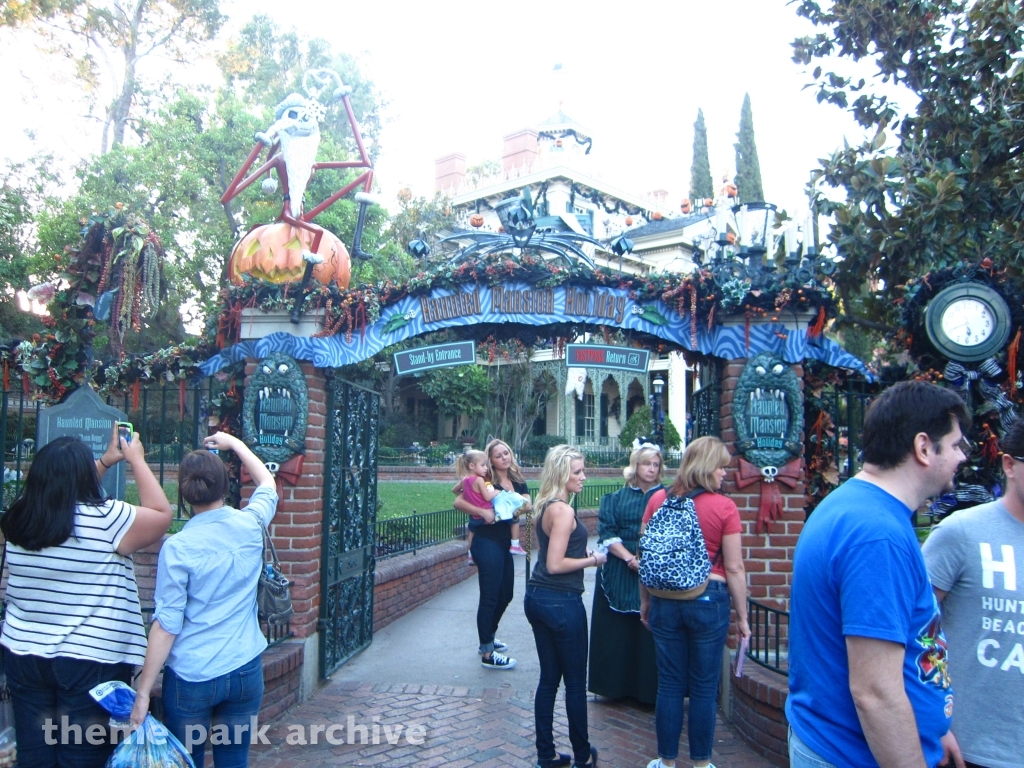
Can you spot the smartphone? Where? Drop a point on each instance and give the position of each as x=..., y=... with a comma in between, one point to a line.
x=125, y=430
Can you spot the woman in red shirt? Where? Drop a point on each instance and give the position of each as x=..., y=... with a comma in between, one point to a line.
x=689, y=635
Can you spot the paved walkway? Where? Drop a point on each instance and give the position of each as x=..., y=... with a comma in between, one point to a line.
x=422, y=670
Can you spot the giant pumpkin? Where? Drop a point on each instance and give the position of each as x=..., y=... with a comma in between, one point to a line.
x=273, y=252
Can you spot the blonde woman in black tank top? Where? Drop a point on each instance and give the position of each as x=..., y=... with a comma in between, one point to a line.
x=554, y=608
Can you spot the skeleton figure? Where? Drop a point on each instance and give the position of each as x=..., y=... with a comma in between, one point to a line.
x=293, y=140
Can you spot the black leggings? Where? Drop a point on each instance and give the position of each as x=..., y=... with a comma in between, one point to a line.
x=496, y=572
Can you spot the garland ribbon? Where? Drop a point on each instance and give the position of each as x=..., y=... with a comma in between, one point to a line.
x=769, y=477
x=960, y=377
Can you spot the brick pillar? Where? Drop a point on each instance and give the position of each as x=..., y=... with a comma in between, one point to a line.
x=297, y=526
x=768, y=556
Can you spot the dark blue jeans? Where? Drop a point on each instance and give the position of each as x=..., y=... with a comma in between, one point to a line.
x=688, y=638
x=496, y=572
x=231, y=702
x=559, y=623
x=55, y=689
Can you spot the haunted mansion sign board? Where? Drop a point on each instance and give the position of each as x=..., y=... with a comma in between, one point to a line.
x=86, y=416
x=276, y=410
x=768, y=411
x=526, y=304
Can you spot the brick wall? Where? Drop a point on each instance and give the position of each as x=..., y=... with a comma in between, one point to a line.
x=758, y=712
x=768, y=556
x=296, y=529
x=406, y=582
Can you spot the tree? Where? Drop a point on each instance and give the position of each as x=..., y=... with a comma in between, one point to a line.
x=121, y=34
x=21, y=189
x=519, y=394
x=641, y=424
x=947, y=185
x=701, y=186
x=458, y=391
x=748, y=168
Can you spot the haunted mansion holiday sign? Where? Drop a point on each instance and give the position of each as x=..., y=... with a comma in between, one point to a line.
x=86, y=416
x=768, y=411
x=276, y=410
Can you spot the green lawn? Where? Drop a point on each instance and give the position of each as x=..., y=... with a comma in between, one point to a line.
x=401, y=499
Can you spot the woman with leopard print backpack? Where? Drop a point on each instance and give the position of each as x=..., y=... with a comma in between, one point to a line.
x=690, y=625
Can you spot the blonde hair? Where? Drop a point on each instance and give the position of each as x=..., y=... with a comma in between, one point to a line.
x=697, y=469
x=515, y=472
x=469, y=457
x=555, y=474
x=644, y=452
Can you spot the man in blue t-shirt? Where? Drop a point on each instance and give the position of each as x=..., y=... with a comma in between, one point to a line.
x=868, y=681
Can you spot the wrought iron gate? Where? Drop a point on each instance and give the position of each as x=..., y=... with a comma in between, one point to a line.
x=349, y=523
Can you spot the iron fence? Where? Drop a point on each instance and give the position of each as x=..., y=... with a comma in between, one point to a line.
x=705, y=405
x=769, y=636
x=847, y=404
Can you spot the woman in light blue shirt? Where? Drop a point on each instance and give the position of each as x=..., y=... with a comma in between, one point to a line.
x=205, y=628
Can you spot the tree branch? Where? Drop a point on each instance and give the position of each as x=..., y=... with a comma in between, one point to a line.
x=864, y=323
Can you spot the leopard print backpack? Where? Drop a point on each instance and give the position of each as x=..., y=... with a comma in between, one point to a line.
x=673, y=556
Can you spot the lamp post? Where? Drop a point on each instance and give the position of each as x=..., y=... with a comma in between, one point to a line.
x=657, y=412
x=747, y=252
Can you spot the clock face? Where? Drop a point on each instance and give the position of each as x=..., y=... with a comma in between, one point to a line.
x=968, y=322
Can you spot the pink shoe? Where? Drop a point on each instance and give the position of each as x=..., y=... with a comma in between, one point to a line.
x=469, y=556
x=515, y=549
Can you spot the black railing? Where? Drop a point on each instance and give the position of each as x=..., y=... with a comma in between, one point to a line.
x=398, y=535
x=705, y=405
x=769, y=636
x=275, y=633
x=847, y=404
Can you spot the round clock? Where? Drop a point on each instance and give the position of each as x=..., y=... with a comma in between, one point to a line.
x=968, y=322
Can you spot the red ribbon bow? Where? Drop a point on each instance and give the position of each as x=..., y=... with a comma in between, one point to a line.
x=771, y=496
x=290, y=472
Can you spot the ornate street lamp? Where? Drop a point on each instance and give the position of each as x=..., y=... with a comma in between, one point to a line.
x=657, y=411
x=747, y=253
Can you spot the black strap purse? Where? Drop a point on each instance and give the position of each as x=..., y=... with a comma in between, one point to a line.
x=273, y=590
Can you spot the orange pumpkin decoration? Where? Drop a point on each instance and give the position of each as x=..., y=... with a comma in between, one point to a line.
x=476, y=220
x=731, y=190
x=730, y=238
x=685, y=206
x=629, y=221
x=273, y=252
x=708, y=202
x=656, y=216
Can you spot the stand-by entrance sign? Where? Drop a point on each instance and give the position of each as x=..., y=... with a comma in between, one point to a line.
x=436, y=356
x=599, y=356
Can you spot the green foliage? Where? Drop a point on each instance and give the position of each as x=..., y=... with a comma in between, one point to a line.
x=748, y=167
x=641, y=424
x=458, y=391
x=941, y=185
x=541, y=443
x=21, y=188
x=87, y=32
x=701, y=185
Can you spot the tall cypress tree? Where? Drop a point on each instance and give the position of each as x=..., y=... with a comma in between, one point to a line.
x=700, y=169
x=748, y=168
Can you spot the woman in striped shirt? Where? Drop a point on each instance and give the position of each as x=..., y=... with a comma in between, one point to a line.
x=73, y=617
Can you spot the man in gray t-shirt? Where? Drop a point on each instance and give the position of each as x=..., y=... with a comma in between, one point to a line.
x=975, y=559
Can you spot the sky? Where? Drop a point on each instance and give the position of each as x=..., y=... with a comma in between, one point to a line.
x=458, y=75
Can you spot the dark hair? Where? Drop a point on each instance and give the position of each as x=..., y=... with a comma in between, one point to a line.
x=202, y=478
x=62, y=476
x=902, y=412
x=1013, y=441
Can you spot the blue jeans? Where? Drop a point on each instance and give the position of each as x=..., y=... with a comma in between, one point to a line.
x=52, y=689
x=496, y=572
x=689, y=636
x=559, y=623
x=231, y=700
x=802, y=756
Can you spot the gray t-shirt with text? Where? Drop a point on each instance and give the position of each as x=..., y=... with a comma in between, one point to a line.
x=977, y=557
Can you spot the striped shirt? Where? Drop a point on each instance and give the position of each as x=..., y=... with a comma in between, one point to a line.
x=78, y=599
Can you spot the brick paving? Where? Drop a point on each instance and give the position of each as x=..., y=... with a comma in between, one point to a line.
x=464, y=727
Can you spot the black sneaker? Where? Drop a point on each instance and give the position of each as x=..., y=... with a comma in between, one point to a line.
x=562, y=761
x=591, y=763
x=500, y=646
x=497, y=661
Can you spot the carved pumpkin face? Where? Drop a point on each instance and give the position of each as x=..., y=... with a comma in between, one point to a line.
x=629, y=221
x=273, y=252
x=656, y=216
x=476, y=220
x=685, y=205
x=730, y=190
